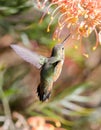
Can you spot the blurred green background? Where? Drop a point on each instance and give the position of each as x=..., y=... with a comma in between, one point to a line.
x=77, y=92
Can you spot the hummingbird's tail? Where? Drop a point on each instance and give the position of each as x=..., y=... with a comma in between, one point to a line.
x=43, y=96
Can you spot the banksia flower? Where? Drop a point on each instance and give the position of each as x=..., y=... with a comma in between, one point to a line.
x=81, y=17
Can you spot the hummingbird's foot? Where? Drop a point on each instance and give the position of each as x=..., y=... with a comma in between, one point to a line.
x=46, y=96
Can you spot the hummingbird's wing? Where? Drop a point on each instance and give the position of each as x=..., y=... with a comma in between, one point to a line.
x=29, y=56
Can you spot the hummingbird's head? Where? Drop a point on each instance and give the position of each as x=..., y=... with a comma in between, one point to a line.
x=58, y=50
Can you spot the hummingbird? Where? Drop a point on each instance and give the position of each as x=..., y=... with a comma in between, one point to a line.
x=51, y=67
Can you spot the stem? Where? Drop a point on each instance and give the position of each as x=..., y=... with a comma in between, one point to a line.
x=8, y=122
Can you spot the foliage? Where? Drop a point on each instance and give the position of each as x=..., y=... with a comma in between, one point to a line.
x=11, y=7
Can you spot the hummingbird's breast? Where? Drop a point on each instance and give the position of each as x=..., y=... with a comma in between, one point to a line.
x=58, y=70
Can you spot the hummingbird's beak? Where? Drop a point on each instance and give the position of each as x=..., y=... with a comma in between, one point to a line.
x=66, y=39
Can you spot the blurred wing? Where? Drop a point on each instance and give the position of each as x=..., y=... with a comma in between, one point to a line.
x=29, y=56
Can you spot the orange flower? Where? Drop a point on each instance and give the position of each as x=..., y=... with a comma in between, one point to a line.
x=81, y=17
x=38, y=123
